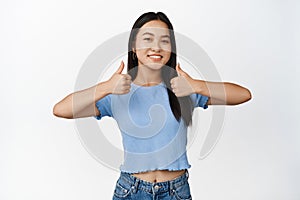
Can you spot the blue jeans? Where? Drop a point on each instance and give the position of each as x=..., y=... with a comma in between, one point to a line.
x=133, y=188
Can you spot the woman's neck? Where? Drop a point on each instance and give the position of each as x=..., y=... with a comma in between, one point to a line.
x=147, y=77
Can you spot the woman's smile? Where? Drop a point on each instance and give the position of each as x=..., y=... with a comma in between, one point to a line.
x=155, y=57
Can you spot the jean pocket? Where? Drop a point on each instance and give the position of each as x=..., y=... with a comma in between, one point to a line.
x=183, y=192
x=122, y=189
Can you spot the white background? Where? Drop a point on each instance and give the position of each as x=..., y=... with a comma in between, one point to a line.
x=253, y=43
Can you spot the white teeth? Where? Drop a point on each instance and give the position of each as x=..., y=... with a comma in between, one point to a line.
x=155, y=56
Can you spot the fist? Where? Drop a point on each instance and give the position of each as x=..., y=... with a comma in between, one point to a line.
x=182, y=85
x=120, y=83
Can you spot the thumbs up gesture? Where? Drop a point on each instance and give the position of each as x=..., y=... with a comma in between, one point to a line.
x=120, y=83
x=182, y=85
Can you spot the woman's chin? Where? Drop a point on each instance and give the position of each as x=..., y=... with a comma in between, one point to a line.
x=154, y=66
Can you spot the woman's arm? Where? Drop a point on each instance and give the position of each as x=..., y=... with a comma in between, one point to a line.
x=221, y=93
x=81, y=103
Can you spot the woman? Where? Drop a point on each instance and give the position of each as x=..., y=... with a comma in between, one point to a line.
x=155, y=162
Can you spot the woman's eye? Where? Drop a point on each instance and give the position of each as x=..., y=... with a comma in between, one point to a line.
x=166, y=41
x=147, y=39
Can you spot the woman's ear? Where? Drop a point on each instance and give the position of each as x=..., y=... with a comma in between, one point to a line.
x=133, y=50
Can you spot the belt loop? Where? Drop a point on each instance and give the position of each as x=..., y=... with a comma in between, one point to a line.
x=136, y=183
x=187, y=173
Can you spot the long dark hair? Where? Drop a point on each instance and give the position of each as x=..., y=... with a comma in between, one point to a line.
x=180, y=106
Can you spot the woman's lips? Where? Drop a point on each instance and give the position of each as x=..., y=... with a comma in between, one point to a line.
x=155, y=58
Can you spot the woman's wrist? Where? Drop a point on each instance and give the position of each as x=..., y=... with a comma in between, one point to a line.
x=103, y=89
x=198, y=86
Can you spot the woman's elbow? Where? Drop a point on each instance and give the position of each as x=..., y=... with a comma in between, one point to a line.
x=246, y=95
x=58, y=111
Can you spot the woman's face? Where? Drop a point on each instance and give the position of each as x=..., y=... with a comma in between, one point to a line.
x=153, y=44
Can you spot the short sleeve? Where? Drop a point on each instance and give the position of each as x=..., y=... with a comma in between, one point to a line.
x=199, y=100
x=104, y=107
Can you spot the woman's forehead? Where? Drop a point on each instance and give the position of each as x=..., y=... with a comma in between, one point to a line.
x=154, y=27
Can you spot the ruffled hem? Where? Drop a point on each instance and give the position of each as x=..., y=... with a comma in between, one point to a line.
x=153, y=169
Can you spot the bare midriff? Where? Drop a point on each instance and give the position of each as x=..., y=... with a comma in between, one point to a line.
x=159, y=175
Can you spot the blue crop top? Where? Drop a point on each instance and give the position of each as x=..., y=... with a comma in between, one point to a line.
x=152, y=137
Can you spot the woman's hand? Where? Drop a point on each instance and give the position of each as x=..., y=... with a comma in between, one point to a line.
x=182, y=85
x=119, y=83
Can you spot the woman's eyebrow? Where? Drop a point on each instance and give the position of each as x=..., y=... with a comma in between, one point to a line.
x=148, y=33
x=153, y=34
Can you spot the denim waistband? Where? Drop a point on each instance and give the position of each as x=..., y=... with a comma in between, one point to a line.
x=138, y=183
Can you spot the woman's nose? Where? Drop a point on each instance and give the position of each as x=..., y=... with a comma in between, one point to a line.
x=155, y=46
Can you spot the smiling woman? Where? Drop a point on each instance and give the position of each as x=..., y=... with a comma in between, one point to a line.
x=160, y=98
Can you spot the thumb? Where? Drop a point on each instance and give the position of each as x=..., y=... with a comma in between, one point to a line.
x=179, y=70
x=120, y=69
